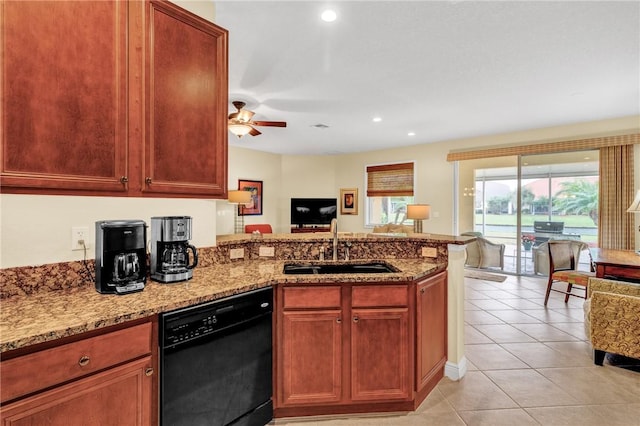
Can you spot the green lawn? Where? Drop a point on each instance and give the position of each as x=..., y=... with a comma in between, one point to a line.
x=580, y=221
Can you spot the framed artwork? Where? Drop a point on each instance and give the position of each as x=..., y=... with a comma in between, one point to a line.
x=349, y=201
x=254, y=208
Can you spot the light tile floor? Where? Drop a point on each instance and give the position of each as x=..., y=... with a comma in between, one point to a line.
x=527, y=365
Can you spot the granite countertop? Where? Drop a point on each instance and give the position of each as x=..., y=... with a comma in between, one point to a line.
x=47, y=316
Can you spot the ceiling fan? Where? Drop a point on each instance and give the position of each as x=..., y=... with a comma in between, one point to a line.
x=240, y=122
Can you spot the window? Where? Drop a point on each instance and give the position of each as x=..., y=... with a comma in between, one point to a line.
x=389, y=190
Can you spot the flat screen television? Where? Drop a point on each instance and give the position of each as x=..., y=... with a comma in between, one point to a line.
x=313, y=211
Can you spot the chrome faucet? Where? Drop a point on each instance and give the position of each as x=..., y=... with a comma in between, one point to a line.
x=334, y=231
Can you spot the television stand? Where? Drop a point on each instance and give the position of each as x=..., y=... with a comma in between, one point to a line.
x=306, y=229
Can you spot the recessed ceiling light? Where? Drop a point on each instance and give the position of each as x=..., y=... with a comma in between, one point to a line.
x=411, y=134
x=328, y=15
x=377, y=119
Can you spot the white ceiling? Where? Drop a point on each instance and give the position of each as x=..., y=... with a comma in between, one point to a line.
x=442, y=69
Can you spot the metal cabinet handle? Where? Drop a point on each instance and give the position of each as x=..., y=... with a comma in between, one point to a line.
x=356, y=319
x=124, y=179
x=338, y=320
x=148, y=371
x=84, y=360
x=148, y=181
x=422, y=290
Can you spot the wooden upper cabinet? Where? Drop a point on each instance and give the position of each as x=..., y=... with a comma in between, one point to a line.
x=64, y=95
x=112, y=98
x=186, y=101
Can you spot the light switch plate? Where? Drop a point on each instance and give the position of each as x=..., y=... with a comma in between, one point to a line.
x=266, y=251
x=236, y=253
x=429, y=252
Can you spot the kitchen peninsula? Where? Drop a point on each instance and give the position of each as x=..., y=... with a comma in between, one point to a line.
x=42, y=314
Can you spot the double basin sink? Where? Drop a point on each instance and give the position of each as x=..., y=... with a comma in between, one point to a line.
x=338, y=268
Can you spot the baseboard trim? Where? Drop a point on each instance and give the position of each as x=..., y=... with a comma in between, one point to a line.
x=456, y=371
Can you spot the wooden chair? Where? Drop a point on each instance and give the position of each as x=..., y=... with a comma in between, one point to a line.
x=263, y=228
x=563, y=267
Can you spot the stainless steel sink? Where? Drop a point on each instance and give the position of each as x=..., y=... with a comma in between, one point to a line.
x=339, y=268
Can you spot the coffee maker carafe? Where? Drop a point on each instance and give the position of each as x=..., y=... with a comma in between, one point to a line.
x=121, y=265
x=170, y=259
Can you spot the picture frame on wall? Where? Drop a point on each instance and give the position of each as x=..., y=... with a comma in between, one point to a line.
x=254, y=208
x=349, y=201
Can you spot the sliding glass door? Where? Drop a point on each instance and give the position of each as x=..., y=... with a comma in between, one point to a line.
x=522, y=202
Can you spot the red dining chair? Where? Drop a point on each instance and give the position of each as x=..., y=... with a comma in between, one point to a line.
x=263, y=228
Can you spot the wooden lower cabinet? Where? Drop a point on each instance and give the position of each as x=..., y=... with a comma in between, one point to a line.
x=119, y=396
x=352, y=348
x=106, y=378
x=380, y=361
x=311, y=357
x=431, y=331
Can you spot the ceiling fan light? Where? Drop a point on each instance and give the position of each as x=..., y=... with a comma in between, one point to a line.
x=239, y=129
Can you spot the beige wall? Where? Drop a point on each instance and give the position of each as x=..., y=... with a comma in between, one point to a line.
x=37, y=229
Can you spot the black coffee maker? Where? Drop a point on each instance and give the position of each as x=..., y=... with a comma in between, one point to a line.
x=121, y=262
x=170, y=260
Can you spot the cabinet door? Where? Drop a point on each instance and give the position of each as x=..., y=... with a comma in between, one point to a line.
x=310, y=360
x=64, y=96
x=431, y=328
x=119, y=396
x=186, y=99
x=380, y=360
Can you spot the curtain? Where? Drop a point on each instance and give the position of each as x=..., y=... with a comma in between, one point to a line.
x=615, y=225
x=542, y=148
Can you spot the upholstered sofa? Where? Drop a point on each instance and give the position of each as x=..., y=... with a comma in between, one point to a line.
x=392, y=228
x=483, y=253
x=612, y=318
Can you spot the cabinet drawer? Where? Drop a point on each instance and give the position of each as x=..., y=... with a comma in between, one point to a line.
x=40, y=370
x=311, y=297
x=379, y=295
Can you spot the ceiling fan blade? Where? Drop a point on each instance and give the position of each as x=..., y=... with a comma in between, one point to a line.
x=270, y=123
x=254, y=132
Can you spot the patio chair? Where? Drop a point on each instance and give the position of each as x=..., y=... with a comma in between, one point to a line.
x=483, y=253
x=563, y=267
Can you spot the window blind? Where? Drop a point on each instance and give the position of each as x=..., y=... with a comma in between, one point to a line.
x=390, y=180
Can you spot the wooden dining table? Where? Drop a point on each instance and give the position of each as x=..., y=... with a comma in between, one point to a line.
x=623, y=264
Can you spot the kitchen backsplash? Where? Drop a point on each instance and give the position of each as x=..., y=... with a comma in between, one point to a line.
x=28, y=280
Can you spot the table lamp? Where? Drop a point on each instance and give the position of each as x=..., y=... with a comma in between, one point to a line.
x=418, y=212
x=241, y=198
x=635, y=208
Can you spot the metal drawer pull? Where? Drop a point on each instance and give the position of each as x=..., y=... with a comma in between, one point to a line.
x=338, y=320
x=148, y=181
x=84, y=360
x=422, y=290
x=356, y=319
x=124, y=179
x=148, y=371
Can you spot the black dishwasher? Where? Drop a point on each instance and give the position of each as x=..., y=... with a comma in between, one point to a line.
x=215, y=362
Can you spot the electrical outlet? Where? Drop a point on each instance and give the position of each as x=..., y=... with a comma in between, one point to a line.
x=78, y=234
x=429, y=252
x=266, y=251
x=236, y=253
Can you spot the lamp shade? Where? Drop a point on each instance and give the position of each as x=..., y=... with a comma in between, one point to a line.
x=418, y=211
x=239, y=197
x=239, y=129
x=635, y=205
